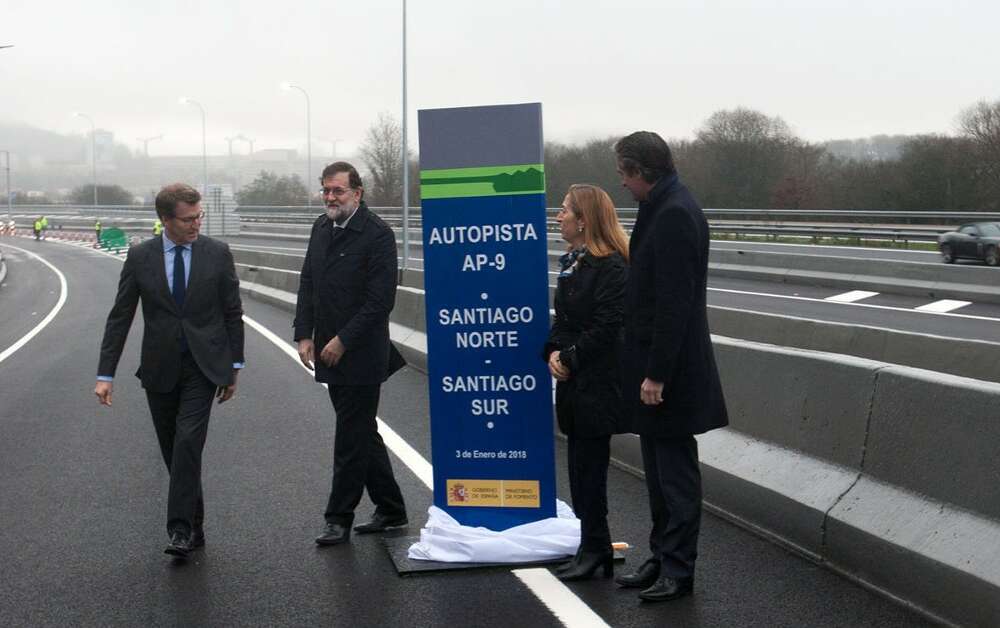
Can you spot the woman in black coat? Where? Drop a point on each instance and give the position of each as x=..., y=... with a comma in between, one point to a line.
x=583, y=353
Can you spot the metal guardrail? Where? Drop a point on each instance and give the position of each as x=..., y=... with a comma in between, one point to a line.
x=922, y=226
x=837, y=215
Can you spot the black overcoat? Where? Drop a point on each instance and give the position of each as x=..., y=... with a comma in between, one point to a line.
x=666, y=322
x=347, y=288
x=587, y=330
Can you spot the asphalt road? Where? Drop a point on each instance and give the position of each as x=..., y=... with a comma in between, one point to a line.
x=82, y=515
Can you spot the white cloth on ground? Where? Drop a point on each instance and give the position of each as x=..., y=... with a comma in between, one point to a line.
x=444, y=539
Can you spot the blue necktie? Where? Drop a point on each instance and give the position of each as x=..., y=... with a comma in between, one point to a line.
x=179, y=287
x=179, y=290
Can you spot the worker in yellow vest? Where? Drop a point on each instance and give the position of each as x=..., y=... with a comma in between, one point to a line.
x=157, y=227
x=38, y=228
x=45, y=226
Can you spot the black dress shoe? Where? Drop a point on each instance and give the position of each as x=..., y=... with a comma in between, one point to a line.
x=179, y=546
x=380, y=523
x=334, y=534
x=641, y=578
x=666, y=588
x=586, y=564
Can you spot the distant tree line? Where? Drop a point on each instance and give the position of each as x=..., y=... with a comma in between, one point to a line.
x=741, y=158
x=106, y=195
x=270, y=189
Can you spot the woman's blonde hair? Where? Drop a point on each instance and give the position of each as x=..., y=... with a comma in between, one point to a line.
x=603, y=233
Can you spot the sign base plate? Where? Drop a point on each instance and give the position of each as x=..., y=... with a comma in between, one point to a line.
x=399, y=546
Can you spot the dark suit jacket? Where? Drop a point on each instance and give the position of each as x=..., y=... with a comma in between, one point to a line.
x=587, y=331
x=212, y=318
x=666, y=322
x=347, y=288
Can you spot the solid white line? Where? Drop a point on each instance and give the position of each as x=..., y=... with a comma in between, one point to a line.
x=852, y=296
x=552, y=593
x=944, y=305
x=568, y=608
x=63, y=292
x=868, y=305
x=743, y=244
x=410, y=457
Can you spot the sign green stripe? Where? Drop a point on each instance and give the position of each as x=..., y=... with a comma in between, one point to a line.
x=484, y=181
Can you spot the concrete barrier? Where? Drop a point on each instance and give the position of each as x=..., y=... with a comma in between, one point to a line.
x=253, y=257
x=277, y=278
x=969, y=358
x=924, y=518
x=886, y=473
x=796, y=437
x=409, y=309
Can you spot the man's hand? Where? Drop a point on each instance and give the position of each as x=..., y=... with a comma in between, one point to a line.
x=332, y=352
x=225, y=393
x=557, y=368
x=651, y=392
x=103, y=392
x=306, y=352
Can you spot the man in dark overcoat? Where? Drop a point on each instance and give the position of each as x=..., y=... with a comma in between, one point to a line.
x=347, y=289
x=670, y=381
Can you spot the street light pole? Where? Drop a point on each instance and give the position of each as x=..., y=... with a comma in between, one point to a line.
x=93, y=149
x=333, y=147
x=145, y=143
x=204, y=153
x=286, y=87
x=247, y=140
x=9, y=195
x=406, y=165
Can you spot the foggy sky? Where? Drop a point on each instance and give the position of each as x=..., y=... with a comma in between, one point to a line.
x=830, y=69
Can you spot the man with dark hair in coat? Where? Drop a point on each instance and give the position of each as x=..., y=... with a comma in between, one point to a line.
x=670, y=382
x=346, y=290
x=192, y=346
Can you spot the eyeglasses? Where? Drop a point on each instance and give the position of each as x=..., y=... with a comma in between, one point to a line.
x=190, y=220
x=334, y=191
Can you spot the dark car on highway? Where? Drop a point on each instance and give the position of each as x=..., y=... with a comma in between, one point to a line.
x=979, y=240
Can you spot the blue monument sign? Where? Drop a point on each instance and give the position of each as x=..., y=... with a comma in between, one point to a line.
x=482, y=185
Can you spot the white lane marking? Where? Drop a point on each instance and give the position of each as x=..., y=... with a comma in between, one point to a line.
x=552, y=593
x=410, y=457
x=944, y=305
x=743, y=245
x=63, y=292
x=868, y=305
x=567, y=608
x=852, y=296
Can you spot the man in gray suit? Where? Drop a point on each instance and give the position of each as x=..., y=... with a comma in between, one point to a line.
x=192, y=346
